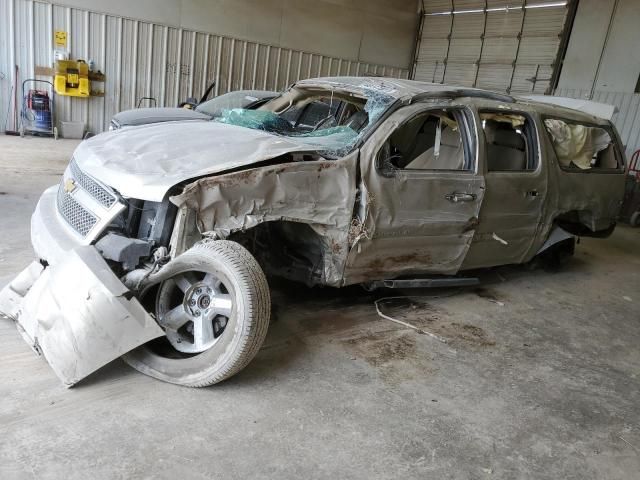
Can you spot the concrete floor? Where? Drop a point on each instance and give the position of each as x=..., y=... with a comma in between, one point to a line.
x=539, y=378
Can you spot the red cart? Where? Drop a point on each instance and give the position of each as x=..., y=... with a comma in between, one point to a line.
x=631, y=204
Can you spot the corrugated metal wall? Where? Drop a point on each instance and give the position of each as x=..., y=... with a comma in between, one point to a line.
x=503, y=45
x=627, y=120
x=142, y=59
x=6, y=60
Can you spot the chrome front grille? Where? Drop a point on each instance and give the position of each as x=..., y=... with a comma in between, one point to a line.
x=80, y=219
x=102, y=195
x=85, y=204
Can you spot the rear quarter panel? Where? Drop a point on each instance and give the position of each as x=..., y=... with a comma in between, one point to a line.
x=594, y=195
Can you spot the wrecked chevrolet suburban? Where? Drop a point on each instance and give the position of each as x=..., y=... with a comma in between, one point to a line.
x=157, y=243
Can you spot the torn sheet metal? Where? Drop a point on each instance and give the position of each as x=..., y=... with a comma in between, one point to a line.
x=77, y=314
x=557, y=235
x=318, y=193
x=12, y=296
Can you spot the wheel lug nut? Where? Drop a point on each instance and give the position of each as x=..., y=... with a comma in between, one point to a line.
x=197, y=313
x=192, y=302
x=198, y=291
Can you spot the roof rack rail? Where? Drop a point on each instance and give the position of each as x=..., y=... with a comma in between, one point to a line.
x=467, y=92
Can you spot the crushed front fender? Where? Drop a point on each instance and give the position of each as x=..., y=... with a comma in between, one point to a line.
x=77, y=314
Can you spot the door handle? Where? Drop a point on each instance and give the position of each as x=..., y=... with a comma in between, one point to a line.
x=456, y=197
x=532, y=193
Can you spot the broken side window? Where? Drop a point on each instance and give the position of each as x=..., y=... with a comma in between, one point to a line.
x=510, y=142
x=582, y=147
x=256, y=120
x=428, y=141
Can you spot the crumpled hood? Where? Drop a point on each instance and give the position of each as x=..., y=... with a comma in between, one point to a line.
x=145, y=162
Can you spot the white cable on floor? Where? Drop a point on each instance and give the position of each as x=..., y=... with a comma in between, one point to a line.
x=406, y=324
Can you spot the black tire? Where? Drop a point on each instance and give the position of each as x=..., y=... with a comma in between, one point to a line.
x=244, y=333
x=635, y=219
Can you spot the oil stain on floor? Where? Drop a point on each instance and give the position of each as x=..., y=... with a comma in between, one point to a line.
x=434, y=319
x=395, y=355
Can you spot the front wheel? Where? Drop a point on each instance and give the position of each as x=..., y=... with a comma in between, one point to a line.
x=214, y=308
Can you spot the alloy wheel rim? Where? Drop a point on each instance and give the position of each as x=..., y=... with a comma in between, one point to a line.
x=194, y=310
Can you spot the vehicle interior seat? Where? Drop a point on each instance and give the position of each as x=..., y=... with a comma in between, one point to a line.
x=449, y=157
x=424, y=139
x=606, y=158
x=506, y=148
x=404, y=140
x=358, y=120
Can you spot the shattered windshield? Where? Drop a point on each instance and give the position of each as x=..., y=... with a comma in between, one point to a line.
x=328, y=120
x=231, y=100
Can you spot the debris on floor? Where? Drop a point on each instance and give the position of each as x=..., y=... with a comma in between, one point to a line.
x=489, y=295
x=417, y=313
x=401, y=322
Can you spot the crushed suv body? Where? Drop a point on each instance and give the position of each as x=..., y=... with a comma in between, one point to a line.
x=157, y=242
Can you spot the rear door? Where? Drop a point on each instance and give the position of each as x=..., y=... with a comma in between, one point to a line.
x=516, y=188
x=420, y=195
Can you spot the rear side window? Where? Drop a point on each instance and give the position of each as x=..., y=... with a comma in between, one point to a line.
x=510, y=142
x=581, y=147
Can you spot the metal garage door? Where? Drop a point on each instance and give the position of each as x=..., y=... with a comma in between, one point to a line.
x=503, y=45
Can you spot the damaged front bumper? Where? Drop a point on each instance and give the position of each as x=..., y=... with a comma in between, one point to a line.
x=74, y=311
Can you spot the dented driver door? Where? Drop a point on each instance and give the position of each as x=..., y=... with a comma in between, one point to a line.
x=420, y=195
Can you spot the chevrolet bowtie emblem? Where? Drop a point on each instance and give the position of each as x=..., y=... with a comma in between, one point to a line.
x=69, y=185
